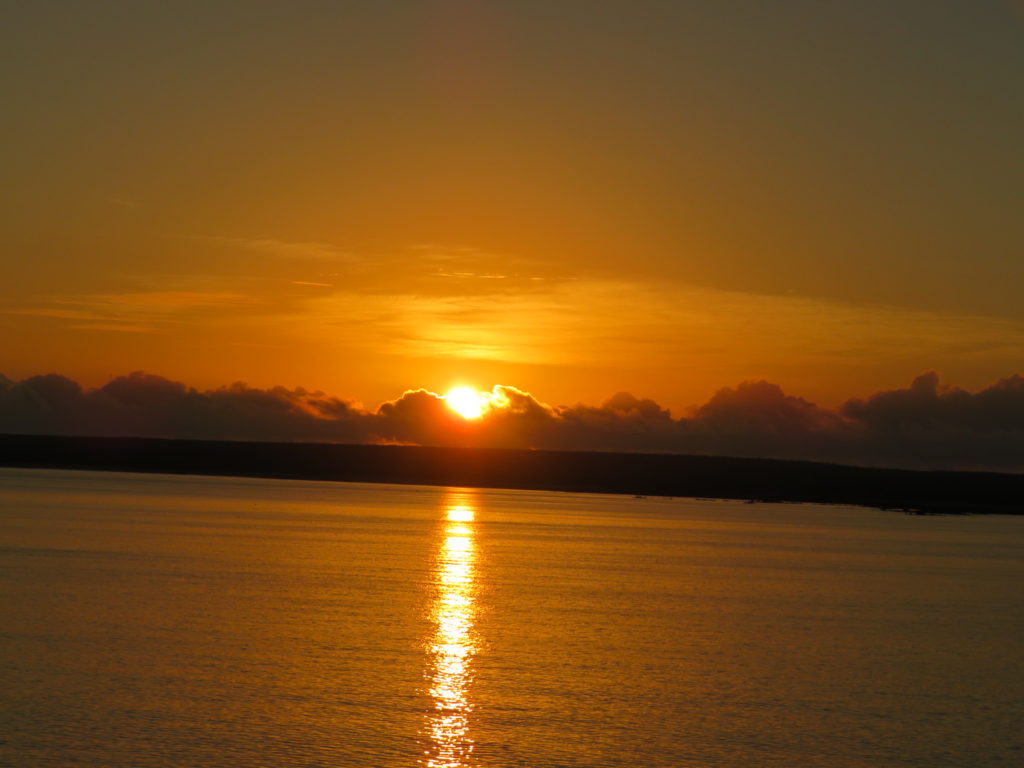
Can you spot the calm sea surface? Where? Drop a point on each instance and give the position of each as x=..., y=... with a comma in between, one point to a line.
x=181, y=621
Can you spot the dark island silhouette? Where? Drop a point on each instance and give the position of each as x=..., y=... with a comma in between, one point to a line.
x=768, y=480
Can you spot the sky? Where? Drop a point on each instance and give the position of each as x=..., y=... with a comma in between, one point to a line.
x=573, y=198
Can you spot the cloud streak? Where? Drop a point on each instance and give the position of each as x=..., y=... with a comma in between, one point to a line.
x=926, y=425
x=314, y=251
x=138, y=311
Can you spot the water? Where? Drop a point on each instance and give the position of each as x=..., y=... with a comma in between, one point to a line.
x=182, y=621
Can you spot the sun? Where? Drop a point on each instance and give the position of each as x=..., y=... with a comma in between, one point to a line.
x=465, y=402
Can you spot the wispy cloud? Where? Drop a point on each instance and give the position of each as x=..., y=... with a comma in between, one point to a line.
x=138, y=311
x=60, y=314
x=286, y=249
x=423, y=270
x=160, y=300
x=652, y=326
x=118, y=327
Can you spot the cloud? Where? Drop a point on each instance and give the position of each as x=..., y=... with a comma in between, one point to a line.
x=421, y=417
x=759, y=419
x=938, y=425
x=164, y=300
x=145, y=405
x=926, y=425
x=284, y=248
x=137, y=311
x=119, y=327
x=59, y=314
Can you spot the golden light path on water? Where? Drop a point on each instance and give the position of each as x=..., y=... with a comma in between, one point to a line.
x=452, y=645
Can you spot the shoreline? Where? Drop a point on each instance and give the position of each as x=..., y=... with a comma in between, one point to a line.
x=635, y=474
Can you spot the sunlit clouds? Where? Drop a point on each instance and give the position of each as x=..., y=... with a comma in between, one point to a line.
x=467, y=403
x=925, y=425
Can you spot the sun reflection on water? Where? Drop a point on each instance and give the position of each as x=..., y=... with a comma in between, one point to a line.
x=452, y=644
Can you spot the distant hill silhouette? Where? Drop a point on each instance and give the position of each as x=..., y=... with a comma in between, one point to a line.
x=622, y=473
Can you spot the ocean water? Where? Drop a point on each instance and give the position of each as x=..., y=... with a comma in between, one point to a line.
x=158, y=621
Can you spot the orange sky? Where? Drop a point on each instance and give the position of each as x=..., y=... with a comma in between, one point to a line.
x=573, y=198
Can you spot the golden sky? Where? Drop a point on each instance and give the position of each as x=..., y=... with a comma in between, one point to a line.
x=573, y=198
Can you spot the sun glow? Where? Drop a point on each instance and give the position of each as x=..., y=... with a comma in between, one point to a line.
x=465, y=402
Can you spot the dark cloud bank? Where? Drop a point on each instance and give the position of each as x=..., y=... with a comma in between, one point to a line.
x=926, y=426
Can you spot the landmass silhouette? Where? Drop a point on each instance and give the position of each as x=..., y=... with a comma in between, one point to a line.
x=767, y=480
